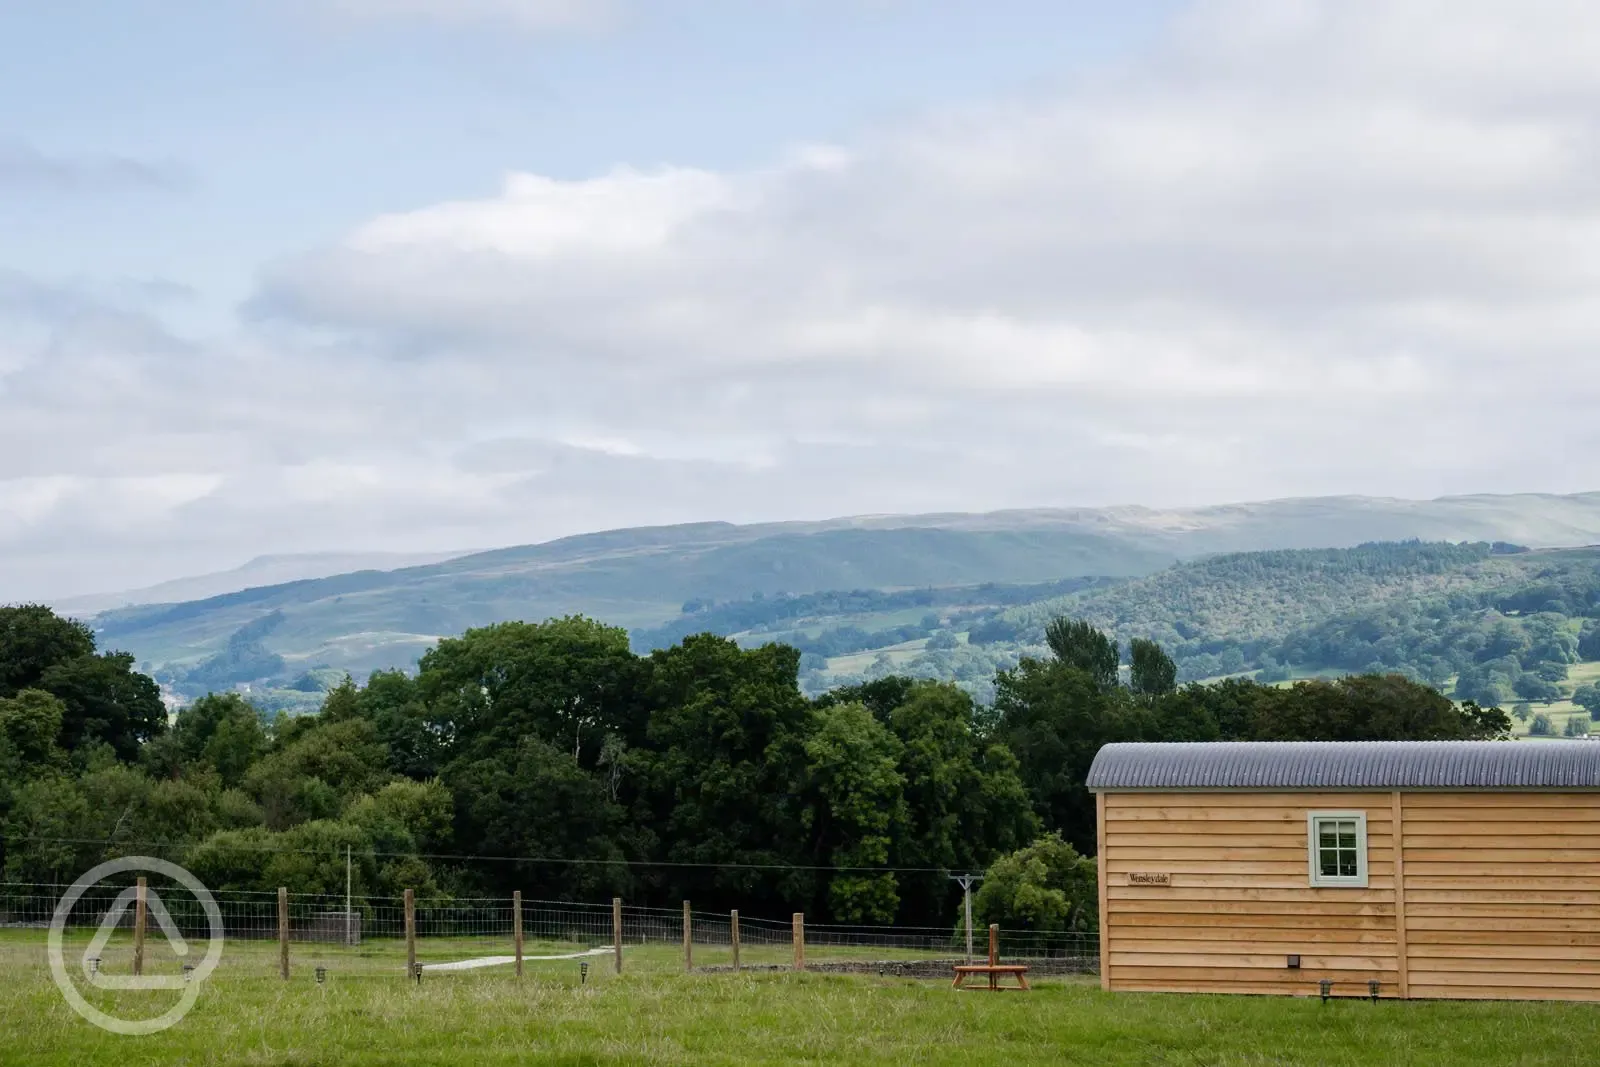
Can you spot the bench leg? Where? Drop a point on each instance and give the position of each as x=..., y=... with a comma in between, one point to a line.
x=1022, y=982
x=957, y=983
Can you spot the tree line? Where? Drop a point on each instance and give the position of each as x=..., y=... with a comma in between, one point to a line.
x=550, y=757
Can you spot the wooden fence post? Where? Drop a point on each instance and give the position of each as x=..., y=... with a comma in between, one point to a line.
x=994, y=944
x=799, y=940
x=516, y=926
x=411, y=934
x=616, y=929
x=688, y=940
x=138, y=926
x=283, y=932
x=733, y=936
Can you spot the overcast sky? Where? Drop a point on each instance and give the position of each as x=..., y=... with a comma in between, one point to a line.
x=296, y=275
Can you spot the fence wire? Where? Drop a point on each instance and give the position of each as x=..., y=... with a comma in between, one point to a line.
x=332, y=937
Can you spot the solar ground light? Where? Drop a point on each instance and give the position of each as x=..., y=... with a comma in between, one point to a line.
x=322, y=975
x=583, y=972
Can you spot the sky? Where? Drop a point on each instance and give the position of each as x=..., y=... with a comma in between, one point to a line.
x=289, y=276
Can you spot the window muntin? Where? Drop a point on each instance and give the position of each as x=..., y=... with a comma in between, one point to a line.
x=1338, y=845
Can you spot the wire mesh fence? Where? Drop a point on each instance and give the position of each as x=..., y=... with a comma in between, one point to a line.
x=370, y=936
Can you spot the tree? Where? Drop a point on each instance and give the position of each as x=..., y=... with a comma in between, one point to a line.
x=1541, y=726
x=1589, y=643
x=1371, y=708
x=1054, y=717
x=859, y=808
x=1045, y=887
x=106, y=701
x=1576, y=726
x=1152, y=673
x=1587, y=697
x=1078, y=644
x=1533, y=687
x=1522, y=712
x=32, y=640
x=30, y=723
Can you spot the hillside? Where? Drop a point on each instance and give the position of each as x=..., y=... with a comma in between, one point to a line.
x=643, y=578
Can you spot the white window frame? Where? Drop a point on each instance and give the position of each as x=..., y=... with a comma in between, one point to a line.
x=1327, y=881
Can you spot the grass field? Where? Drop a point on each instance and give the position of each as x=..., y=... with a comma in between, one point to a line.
x=650, y=1015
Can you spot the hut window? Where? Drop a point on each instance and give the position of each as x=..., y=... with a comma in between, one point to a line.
x=1338, y=847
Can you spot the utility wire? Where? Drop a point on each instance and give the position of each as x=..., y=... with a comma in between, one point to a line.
x=465, y=858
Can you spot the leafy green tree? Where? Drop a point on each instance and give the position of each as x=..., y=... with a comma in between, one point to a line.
x=32, y=640
x=1541, y=725
x=721, y=769
x=852, y=768
x=1076, y=643
x=1152, y=673
x=30, y=722
x=106, y=701
x=568, y=682
x=1589, y=643
x=1046, y=887
x=1054, y=718
x=1532, y=687
x=1576, y=727
x=1370, y=708
x=1521, y=712
x=1587, y=697
x=536, y=802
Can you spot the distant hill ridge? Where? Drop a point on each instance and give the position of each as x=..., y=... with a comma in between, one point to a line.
x=372, y=618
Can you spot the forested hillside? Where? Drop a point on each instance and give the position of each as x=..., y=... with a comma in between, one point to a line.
x=289, y=641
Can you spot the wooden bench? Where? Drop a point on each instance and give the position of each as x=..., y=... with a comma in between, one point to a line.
x=994, y=968
x=994, y=971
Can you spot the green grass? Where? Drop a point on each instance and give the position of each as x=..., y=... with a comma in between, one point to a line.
x=650, y=1015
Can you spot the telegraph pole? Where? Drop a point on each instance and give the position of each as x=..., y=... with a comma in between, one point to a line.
x=965, y=881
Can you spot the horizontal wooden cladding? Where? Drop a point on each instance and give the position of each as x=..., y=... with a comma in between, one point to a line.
x=1492, y=850
x=1518, y=900
x=1221, y=850
x=1509, y=886
x=1500, y=992
x=1118, y=804
x=1492, y=942
x=1260, y=975
x=1375, y=868
x=1267, y=961
x=1470, y=870
x=1130, y=935
x=1304, y=908
x=1295, y=893
x=1291, y=989
x=1275, y=943
x=1560, y=829
x=1423, y=801
x=1509, y=976
x=1511, y=959
x=1419, y=924
x=1505, y=909
x=1210, y=837
x=1121, y=921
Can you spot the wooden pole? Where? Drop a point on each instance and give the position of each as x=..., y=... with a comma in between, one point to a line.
x=138, y=927
x=411, y=934
x=733, y=936
x=516, y=926
x=1101, y=877
x=1398, y=840
x=283, y=932
x=994, y=954
x=799, y=940
x=688, y=942
x=616, y=929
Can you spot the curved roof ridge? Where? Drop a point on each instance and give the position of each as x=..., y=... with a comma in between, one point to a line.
x=1176, y=765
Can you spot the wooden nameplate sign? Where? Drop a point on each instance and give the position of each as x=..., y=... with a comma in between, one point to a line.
x=1149, y=878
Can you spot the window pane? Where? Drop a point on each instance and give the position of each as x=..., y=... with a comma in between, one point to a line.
x=1347, y=864
x=1328, y=834
x=1329, y=863
x=1347, y=838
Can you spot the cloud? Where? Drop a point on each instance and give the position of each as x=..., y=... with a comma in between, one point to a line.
x=1300, y=248
x=23, y=166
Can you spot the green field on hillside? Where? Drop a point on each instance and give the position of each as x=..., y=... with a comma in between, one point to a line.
x=654, y=1017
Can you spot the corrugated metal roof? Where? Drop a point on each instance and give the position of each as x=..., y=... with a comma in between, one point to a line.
x=1348, y=765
